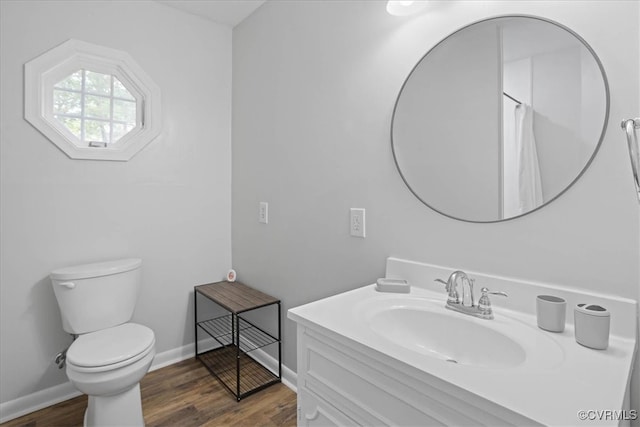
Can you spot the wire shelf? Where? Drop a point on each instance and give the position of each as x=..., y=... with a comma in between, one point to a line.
x=221, y=362
x=251, y=336
x=231, y=362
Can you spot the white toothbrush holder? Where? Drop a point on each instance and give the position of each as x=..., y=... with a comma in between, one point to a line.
x=592, y=324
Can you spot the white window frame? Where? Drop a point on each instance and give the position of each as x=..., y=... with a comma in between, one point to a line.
x=43, y=72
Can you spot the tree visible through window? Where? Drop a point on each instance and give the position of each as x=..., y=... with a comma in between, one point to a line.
x=96, y=108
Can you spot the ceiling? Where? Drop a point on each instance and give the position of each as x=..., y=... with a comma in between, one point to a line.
x=227, y=12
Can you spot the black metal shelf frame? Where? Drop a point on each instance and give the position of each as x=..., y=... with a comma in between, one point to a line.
x=232, y=362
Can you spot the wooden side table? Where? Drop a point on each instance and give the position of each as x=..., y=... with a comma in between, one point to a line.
x=236, y=338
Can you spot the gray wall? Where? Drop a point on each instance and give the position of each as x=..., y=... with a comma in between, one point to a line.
x=314, y=87
x=169, y=205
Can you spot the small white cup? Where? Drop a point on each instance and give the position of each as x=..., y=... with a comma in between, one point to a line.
x=551, y=312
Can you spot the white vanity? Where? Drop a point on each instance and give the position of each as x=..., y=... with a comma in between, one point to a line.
x=373, y=358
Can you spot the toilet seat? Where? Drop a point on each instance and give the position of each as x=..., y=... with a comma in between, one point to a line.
x=110, y=348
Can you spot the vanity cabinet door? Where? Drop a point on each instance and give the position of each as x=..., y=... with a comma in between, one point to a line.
x=315, y=412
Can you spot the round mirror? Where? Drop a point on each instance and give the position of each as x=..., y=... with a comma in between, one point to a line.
x=500, y=118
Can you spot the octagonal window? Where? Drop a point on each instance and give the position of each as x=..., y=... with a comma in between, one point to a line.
x=91, y=101
x=95, y=108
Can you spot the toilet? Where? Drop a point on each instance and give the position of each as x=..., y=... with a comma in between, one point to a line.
x=110, y=355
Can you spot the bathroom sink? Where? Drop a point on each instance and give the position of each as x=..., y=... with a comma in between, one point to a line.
x=448, y=337
x=425, y=327
x=412, y=361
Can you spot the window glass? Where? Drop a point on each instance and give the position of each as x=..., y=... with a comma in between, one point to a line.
x=97, y=106
x=120, y=129
x=94, y=107
x=72, y=82
x=68, y=103
x=98, y=83
x=74, y=126
x=98, y=131
x=124, y=111
x=119, y=91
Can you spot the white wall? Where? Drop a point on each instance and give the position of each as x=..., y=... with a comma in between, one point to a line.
x=169, y=205
x=559, y=112
x=314, y=87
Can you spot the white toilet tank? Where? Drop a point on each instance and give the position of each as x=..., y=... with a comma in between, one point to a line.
x=97, y=296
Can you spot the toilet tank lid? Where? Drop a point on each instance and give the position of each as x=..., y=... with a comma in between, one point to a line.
x=97, y=269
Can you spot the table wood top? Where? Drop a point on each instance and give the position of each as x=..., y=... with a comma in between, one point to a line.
x=236, y=296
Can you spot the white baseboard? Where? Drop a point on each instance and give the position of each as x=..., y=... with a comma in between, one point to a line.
x=289, y=378
x=40, y=399
x=59, y=393
x=172, y=356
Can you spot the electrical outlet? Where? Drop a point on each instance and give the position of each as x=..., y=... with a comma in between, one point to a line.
x=357, y=223
x=263, y=213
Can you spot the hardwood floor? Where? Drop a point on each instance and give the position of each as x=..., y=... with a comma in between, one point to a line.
x=184, y=395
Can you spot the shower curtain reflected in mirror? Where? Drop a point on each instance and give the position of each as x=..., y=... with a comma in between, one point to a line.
x=522, y=185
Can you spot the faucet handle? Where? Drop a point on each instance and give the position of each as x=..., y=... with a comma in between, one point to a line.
x=484, y=304
x=486, y=291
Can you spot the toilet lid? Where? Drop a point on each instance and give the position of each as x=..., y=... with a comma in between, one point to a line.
x=109, y=346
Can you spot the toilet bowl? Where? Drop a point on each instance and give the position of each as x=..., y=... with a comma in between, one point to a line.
x=110, y=355
x=107, y=366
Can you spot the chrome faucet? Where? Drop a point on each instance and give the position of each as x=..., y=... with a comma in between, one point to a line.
x=467, y=299
x=467, y=305
x=452, y=286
